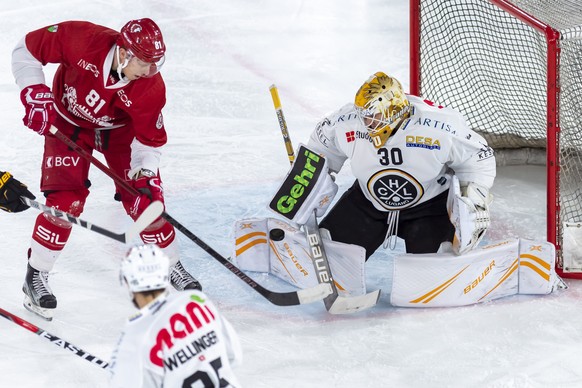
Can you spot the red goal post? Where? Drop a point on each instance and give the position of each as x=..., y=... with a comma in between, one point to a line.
x=514, y=68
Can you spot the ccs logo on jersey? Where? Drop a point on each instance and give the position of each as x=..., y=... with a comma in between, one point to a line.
x=394, y=189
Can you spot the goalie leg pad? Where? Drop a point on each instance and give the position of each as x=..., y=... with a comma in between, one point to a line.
x=537, y=272
x=445, y=280
x=500, y=269
x=276, y=247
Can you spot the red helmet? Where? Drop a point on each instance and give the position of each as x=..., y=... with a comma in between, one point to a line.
x=144, y=39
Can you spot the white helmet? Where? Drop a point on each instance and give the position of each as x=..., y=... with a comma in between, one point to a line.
x=145, y=268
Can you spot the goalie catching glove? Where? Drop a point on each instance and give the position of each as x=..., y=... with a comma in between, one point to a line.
x=307, y=187
x=468, y=207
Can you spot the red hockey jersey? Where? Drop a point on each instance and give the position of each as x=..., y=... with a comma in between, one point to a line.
x=85, y=91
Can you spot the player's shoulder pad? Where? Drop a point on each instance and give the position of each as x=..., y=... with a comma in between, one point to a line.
x=429, y=115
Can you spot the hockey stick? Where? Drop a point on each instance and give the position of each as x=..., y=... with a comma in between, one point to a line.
x=334, y=303
x=290, y=298
x=282, y=123
x=149, y=215
x=61, y=343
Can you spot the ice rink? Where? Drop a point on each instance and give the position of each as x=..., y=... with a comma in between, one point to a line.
x=223, y=162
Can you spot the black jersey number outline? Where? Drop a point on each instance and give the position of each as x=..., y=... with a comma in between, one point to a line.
x=204, y=378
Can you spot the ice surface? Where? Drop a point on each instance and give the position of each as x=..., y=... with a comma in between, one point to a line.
x=223, y=162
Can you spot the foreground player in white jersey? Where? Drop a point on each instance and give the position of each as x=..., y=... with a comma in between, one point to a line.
x=403, y=152
x=175, y=340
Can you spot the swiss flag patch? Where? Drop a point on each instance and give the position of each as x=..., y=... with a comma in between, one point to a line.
x=351, y=136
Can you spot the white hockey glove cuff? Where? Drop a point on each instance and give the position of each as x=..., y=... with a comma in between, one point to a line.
x=468, y=208
x=307, y=187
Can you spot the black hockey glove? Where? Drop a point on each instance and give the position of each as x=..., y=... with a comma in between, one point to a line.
x=10, y=192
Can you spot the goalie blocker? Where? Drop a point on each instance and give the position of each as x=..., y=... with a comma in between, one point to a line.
x=305, y=194
x=307, y=187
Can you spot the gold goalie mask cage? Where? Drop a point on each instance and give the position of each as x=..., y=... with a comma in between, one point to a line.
x=381, y=106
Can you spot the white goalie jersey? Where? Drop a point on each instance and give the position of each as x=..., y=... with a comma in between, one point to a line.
x=415, y=163
x=178, y=340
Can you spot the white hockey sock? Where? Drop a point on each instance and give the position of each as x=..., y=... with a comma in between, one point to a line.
x=41, y=257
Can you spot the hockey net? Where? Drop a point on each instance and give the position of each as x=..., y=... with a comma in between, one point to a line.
x=514, y=68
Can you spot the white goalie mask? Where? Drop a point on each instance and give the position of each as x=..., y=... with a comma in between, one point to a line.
x=144, y=268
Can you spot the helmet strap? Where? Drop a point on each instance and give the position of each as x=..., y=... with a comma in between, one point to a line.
x=121, y=66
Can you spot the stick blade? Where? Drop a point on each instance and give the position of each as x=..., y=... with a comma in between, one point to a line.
x=348, y=305
x=314, y=294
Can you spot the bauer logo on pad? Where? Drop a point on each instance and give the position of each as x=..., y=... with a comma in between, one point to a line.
x=298, y=184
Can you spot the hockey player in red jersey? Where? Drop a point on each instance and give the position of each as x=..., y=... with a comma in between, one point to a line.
x=107, y=95
x=175, y=340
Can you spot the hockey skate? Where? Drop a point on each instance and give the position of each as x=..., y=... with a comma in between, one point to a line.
x=38, y=297
x=182, y=280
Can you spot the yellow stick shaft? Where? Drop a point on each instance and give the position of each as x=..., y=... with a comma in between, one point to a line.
x=282, y=123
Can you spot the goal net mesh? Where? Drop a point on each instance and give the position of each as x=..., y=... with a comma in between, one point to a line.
x=493, y=67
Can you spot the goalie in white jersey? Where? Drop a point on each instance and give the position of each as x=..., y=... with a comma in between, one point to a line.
x=422, y=175
x=175, y=340
x=404, y=152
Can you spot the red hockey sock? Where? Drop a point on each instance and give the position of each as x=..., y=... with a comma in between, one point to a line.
x=50, y=235
x=160, y=233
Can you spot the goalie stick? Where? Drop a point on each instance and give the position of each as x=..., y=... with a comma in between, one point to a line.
x=61, y=343
x=149, y=215
x=289, y=298
x=334, y=303
x=282, y=123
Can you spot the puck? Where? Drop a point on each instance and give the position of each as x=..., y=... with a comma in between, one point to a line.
x=276, y=234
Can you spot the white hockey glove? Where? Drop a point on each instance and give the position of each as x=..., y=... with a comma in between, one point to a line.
x=468, y=207
x=308, y=186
